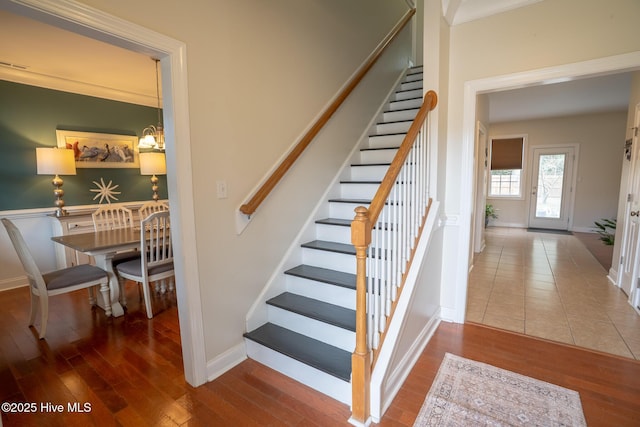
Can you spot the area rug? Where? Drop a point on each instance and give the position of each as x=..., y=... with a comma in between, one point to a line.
x=469, y=393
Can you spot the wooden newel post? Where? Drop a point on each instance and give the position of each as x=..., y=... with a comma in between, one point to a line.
x=361, y=358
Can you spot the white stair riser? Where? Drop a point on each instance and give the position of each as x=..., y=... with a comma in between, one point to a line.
x=393, y=127
x=369, y=173
x=407, y=94
x=378, y=156
x=314, y=378
x=332, y=294
x=333, y=233
x=411, y=85
x=312, y=328
x=346, y=210
x=396, y=116
x=413, y=77
x=386, y=141
x=332, y=260
x=358, y=191
x=403, y=105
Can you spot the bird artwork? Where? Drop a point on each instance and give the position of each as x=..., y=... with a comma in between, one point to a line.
x=106, y=153
x=121, y=151
x=88, y=154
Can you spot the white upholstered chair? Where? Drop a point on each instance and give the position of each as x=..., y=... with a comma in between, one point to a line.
x=56, y=282
x=148, y=208
x=156, y=260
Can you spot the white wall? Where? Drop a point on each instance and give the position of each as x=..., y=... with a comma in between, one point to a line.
x=258, y=73
x=498, y=50
x=601, y=147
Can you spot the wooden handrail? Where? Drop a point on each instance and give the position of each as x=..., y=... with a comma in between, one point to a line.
x=380, y=198
x=250, y=207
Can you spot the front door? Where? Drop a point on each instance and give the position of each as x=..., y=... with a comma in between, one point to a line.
x=551, y=187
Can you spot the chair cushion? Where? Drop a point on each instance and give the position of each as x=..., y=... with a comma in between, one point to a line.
x=134, y=268
x=72, y=276
x=121, y=257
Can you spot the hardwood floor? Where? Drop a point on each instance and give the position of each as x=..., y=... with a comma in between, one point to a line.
x=129, y=372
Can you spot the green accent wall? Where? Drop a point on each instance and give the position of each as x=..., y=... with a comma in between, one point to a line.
x=29, y=117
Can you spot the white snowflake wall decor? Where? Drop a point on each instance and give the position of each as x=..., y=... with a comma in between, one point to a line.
x=105, y=191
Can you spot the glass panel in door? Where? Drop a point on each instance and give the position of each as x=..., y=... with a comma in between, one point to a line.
x=550, y=183
x=552, y=177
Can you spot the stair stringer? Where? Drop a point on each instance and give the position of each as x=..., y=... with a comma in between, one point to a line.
x=258, y=313
x=386, y=380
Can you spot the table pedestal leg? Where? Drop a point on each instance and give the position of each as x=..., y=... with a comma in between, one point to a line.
x=105, y=262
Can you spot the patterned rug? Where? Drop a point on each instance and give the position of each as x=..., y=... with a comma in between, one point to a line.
x=469, y=393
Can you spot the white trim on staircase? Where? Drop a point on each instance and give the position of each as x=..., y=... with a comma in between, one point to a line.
x=384, y=384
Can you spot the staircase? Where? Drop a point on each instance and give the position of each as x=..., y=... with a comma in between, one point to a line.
x=310, y=333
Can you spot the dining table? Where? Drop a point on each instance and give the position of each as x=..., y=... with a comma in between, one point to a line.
x=103, y=246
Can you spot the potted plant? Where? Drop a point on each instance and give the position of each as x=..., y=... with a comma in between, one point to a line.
x=489, y=212
x=606, y=230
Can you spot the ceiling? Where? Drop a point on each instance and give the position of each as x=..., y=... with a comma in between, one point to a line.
x=47, y=56
x=461, y=11
x=43, y=55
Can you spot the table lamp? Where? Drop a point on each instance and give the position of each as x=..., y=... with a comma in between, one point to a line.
x=153, y=163
x=56, y=161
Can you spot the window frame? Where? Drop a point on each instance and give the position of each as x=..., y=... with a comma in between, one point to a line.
x=523, y=171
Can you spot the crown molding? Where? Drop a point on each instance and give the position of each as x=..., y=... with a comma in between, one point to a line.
x=27, y=77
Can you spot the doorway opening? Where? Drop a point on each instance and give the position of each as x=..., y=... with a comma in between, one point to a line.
x=611, y=65
x=93, y=23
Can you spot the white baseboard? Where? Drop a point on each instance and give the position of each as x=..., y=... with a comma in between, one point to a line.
x=226, y=361
x=13, y=283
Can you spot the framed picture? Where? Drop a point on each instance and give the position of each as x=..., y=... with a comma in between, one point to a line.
x=100, y=150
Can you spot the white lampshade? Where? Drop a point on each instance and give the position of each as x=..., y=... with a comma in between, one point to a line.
x=55, y=161
x=152, y=164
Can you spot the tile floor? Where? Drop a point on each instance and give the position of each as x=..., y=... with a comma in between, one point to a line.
x=550, y=286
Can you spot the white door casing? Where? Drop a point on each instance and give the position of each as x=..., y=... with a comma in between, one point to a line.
x=481, y=186
x=630, y=237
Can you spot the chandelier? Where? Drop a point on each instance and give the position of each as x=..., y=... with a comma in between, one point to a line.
x=153, y=135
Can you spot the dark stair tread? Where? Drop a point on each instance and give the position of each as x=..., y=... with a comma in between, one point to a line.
x=324, y=357
x=372, y=164
x=324, y=275
x=402, y=109
x=387, y=134
x=354, y=201
x=324, y=245
x=315, y=309
x=357, y=201
x=342, y=248
x=335, y=221
x=408, y=99
x=394, y=122
x=379, y=148
x=361, y=182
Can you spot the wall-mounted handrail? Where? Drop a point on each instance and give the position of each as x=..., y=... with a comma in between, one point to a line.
x=385, y=237
x=250, y=207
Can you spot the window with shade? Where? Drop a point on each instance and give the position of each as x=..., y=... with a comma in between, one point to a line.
x=507, y=160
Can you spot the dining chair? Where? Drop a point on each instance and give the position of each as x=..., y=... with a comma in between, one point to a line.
x=148, y=208
x=56, y=282
x=112, y=217
x=156, y=260
x=108, y=217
